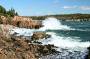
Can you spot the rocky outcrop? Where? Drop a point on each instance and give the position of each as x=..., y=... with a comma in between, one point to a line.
x=20, y=48
x=26, y=22
x=40, y=35
x=5, y=20
x=21, y=21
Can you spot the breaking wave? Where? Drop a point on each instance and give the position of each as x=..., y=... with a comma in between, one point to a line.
x=53, y=24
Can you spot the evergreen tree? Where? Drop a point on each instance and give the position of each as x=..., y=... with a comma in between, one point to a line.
x=2, y=10
x=16, y=14
x=11, y=12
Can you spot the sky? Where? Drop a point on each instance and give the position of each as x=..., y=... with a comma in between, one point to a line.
x=47, y=7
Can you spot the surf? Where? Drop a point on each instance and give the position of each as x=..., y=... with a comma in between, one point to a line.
x=70, y=47
x=52, y=23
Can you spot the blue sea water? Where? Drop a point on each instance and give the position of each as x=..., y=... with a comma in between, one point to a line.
x=80, y=30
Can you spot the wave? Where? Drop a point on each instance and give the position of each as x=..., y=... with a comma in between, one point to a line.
x=60, y=41
x=69, y=48
x=65, y=42
x=53, y=24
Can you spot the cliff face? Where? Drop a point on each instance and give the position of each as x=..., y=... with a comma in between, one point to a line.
x=21, y=21
x=26, y=22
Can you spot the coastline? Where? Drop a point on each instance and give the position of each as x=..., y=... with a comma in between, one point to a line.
x=19, y=47
x=24, y=44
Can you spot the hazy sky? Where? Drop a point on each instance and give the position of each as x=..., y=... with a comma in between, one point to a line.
x=44, y=7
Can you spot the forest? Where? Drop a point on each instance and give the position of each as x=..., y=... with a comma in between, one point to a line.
x=11, y=12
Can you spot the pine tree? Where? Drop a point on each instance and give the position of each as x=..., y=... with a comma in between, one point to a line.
x=2, y=10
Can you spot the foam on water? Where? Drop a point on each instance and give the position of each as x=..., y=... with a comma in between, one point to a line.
x=23, y=31
x=65, y=42
x=53, y=24
x=69, y=48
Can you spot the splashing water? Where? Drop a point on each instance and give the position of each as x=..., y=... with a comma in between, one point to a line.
x=69, y=48
x=53, y=24
x=65, y=42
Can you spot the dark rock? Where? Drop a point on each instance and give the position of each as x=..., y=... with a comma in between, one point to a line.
x=37, y=42
x=47, y=36
x=88, y=56
x=15, y=33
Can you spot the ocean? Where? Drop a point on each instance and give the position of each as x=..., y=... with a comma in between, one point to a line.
x=71, y=37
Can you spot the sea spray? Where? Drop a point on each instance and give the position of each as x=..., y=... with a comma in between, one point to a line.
x=65, y=42
x=68, y=47
x=22, y=31
x=53, y=24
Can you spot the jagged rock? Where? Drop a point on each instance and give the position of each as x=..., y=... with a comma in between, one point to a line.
x=39, y=35
x=26, y=22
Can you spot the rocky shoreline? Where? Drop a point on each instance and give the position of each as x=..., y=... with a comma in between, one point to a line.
x=22, y=47
x=19, y=47
x=12, y=47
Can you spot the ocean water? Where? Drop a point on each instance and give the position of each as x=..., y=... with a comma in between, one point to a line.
x=71, y=37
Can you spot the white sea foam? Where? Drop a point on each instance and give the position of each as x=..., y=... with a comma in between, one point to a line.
x=23, y=31
x=65, y=42
x=69, y=47
x=70, y=42
x=53, y=24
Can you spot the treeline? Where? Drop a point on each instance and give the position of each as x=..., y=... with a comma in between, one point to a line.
x=11, y=12
x=6, y=16
x=81, y=17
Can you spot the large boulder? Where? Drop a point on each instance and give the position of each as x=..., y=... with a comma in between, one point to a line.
x=40, y=35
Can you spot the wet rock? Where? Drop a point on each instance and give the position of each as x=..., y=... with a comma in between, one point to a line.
x=14, y=34
x=47, y=49
x=39, y=35
x=88, y=56
x=37, y=42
